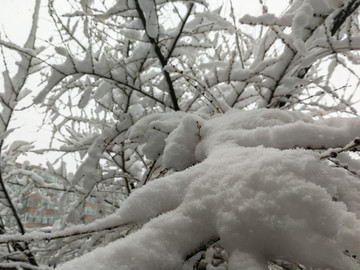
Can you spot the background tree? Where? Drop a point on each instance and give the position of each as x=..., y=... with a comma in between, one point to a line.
x=131, y=88
x=13, y=91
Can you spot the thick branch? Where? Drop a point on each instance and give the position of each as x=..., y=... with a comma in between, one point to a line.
x=180, y=31
x=161, y=58
x=341, y=17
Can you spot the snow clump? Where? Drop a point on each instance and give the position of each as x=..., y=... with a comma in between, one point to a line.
x=254, y=187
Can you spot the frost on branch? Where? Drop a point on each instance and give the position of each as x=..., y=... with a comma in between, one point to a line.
x=261, y=202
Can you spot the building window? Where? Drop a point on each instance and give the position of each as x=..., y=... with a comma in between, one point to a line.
x=44, y=220
x=37, y=219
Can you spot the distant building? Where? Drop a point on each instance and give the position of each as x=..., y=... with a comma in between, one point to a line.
x=42, y=211
x=35, y=213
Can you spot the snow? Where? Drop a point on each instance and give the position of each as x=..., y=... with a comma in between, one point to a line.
x=149, y=9
x=84, y=65
x=182, y=143
x=120, y=6
x=274, y=128
x=85, y=98
x=242, y=260
x=61, y=51
x=256, y=180
x=301, y=21
x=88, y=170
x=104, y=65
x=334, y=4
x=267, y=19
x=86, y=4
x=261, y=201
x=153, y=130
x=102, y=90
x=59, y=72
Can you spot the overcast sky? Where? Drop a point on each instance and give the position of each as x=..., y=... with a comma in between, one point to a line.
x=15, y=22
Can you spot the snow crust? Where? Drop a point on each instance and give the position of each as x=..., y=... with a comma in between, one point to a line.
x=253, y=187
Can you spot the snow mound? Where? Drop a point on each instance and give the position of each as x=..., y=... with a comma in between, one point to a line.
x=262, y=203
x=275, y=128
x=152, y=131
x=179, y=151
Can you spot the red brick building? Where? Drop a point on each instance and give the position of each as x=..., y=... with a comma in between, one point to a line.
x=42, y=210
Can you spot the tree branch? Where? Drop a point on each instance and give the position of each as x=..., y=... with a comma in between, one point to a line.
x=40, y=236
x=161, y=58
x=341, y=17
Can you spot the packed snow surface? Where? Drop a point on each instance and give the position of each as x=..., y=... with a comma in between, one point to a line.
x=253, y=185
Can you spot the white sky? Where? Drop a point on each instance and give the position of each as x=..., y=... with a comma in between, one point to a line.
x=15, y=18
x=15, y=22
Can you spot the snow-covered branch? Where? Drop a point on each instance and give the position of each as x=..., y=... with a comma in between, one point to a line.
x=231, y=143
